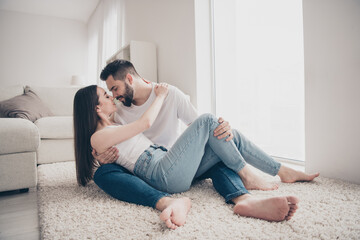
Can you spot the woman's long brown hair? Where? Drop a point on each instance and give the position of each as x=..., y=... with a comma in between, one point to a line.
x=85, y=122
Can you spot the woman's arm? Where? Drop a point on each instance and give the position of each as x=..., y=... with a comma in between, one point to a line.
x=148, y=118
x=107, y=137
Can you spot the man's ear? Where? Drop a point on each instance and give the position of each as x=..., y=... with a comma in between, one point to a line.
x=129, y=78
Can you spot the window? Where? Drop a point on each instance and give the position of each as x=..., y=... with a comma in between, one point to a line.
x=259, y=72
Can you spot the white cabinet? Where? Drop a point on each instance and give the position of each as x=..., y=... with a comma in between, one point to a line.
x=142, y=55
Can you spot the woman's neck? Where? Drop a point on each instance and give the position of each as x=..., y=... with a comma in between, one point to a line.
x=102, y=123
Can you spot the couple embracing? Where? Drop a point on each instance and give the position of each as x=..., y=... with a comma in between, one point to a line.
x=135, y=153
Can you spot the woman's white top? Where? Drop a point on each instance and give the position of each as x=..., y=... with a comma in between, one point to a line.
x=131, y=149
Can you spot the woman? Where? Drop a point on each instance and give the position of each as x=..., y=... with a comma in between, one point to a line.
x=171, y=171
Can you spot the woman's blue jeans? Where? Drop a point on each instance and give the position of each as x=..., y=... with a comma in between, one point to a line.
x=173, y=171
x=121, y=184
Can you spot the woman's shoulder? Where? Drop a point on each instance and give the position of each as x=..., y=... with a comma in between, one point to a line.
x=98, y=132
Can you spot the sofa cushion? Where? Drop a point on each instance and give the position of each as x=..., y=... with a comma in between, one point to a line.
x=28, y=106
x=55, y=127
x=26, y=138
x=60, y=100
x=59, y=150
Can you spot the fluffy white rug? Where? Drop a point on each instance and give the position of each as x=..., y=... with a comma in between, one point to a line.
x=328, y=209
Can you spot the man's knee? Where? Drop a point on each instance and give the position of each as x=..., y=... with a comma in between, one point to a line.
x=208, y=117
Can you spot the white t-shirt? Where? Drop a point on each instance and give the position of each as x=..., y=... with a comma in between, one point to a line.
x=166, y=128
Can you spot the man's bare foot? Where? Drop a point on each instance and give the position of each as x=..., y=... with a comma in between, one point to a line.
x=174, y=215
x=271, y=209
x=254, y=182
x=289, y=175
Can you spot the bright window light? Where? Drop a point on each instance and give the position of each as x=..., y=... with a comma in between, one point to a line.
x=259, y=72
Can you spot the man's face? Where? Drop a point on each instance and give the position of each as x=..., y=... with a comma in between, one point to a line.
x=121, y=90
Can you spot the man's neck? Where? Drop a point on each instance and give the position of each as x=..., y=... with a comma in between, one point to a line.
x=142, y=93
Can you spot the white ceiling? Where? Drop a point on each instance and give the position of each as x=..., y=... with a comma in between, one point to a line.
x=79, y=10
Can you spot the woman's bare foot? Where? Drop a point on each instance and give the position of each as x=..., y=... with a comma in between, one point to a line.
x=174, y=215
x=254, y=182
x=289, y=175
x=271, y=209
x=293, y=208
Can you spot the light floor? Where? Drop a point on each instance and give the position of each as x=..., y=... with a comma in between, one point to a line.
x=19, y=213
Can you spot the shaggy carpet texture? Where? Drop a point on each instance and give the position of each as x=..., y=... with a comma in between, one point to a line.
x=328, y=209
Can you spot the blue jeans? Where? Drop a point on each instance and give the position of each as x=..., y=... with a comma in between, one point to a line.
x=173, y=171
x=122, y=185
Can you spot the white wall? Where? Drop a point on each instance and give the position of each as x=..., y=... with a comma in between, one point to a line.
x=170, y=24
x=332, y=87
x=94, y=34
x=42, y=50
x=205, y=91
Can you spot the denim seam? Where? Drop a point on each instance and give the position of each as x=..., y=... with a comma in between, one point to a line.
x=243, y=163
x=273, y=168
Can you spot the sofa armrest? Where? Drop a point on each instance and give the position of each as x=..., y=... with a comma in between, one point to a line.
x=18, y=135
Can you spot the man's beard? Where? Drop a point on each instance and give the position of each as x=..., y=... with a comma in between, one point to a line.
x=128, y=95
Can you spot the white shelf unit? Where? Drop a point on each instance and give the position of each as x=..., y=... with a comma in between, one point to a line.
x=142, y=55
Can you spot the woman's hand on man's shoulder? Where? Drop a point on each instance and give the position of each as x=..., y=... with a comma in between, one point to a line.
x=162, y=89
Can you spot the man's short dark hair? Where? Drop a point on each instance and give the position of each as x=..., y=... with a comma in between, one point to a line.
x=118, y=69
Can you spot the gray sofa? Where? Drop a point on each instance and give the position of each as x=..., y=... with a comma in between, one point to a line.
x=25, y=144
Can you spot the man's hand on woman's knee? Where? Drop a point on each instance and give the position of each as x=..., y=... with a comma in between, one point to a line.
x=223, y=130
x=109, y=156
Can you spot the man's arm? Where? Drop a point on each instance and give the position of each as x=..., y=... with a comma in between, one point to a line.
x=186, y=112
x=109, y=156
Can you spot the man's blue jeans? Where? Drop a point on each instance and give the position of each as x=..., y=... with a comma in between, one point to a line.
x=173, y=171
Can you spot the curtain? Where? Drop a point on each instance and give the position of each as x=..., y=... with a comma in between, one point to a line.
x=105, y=37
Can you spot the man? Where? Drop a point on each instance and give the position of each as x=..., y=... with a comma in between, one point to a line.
x=137, y=94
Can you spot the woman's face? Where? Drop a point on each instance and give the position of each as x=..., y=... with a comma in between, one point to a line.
x=106, y=102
